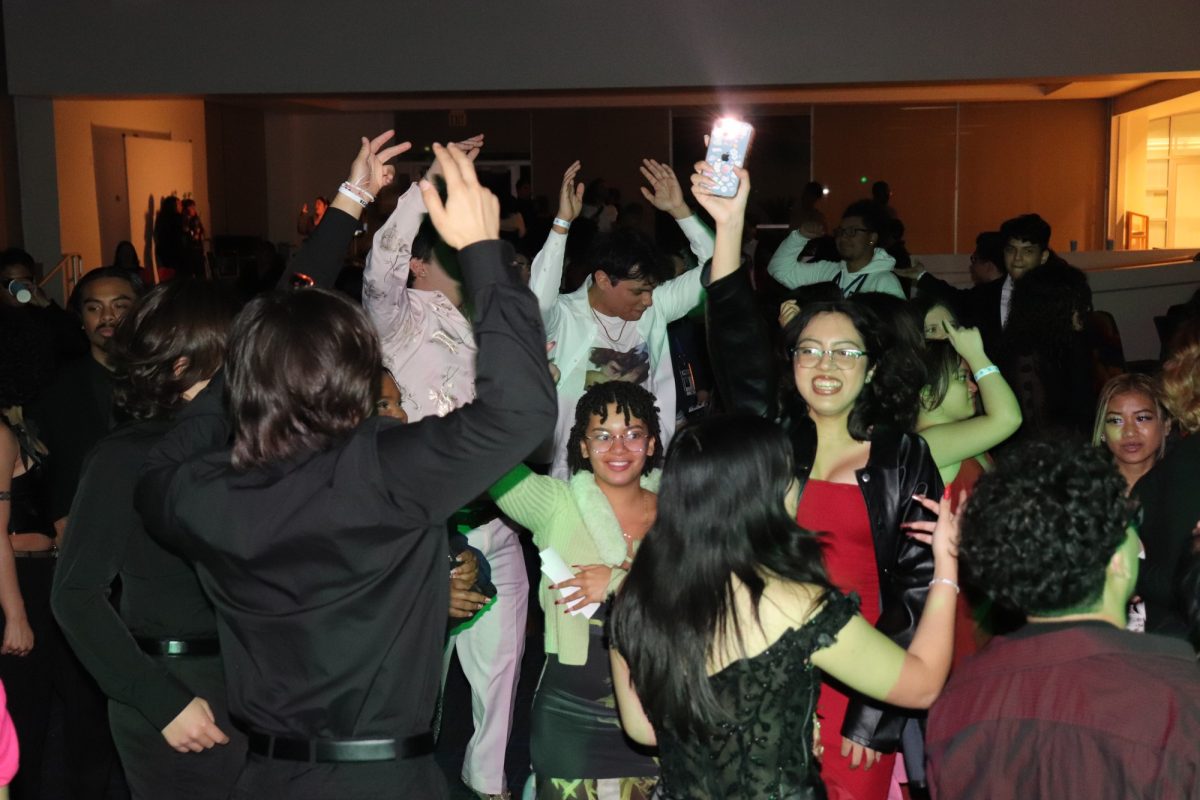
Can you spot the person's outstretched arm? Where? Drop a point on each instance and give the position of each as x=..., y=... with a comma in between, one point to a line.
x=869, y=662
x=666, y=195
x=321, y=257
x=955, y=441
x=545, y=273
x=739, y=343
x=463, y=453
x=385, y=295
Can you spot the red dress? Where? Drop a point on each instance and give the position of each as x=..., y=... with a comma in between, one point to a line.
x=969, y=635
x=839, y=511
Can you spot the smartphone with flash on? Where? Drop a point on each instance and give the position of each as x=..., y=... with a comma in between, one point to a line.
x=728, y=146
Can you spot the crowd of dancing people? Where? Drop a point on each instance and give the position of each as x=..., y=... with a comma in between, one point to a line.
x=812, y=523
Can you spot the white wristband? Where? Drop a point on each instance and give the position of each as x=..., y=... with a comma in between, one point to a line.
x=562, y=223
x=346, y=192
x=990, y=369
x=946, y=581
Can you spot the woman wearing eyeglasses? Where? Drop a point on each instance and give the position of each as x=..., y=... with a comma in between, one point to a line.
x=865, y=265
x=857, y=462
x=594, y=522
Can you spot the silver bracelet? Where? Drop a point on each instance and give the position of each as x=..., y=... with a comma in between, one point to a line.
x=946, y=581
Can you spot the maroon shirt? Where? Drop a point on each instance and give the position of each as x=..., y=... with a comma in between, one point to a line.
x=1066, y=710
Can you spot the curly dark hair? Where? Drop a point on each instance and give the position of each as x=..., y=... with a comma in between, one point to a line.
x=26, y=357
x=890, y=401
x=632, y=401
x=179, y=319
x=1041, y=322
x=1039, y=530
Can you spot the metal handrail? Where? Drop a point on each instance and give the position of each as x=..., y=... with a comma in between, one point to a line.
x=69, y=270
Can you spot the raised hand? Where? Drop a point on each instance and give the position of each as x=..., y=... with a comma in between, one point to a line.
x=472, y=147
x=788, y=311
x=370, y=170
x=967, y=342
x=570, y=194
x=471, y=213
x=724, y=210
x=667, y=195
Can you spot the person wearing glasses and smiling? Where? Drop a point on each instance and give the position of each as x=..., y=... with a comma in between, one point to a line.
x=865, y=266
x=857, y=462
x=595, y=522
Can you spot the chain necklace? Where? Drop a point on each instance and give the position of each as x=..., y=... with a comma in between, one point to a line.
x=604, y=327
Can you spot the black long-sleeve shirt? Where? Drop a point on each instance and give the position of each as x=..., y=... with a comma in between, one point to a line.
x=328, y=573
x=160, y=593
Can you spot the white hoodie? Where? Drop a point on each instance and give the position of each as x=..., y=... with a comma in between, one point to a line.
x=876, y=276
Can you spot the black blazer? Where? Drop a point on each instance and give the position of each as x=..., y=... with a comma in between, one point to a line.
x=898, y=467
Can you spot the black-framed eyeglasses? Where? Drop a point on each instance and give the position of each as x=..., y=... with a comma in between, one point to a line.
x=840, y=232
x=603, y=441
x=843, y=357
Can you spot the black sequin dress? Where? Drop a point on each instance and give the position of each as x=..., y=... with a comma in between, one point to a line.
x=765, y=751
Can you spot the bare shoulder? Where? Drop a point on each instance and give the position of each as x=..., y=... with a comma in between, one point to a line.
x=788, y=604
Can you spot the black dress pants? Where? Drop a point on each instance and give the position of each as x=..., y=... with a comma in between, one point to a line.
x=154, y=769
x=411, y=779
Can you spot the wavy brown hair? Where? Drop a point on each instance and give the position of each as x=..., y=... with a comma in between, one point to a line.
x=303, y=369
x=181, y=322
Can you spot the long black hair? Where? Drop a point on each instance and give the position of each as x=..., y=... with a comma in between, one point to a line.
x=721, y=516
x=890, y=400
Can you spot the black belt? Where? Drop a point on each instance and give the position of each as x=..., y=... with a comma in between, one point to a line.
x=51, y=553
x=264, y=744
x=178, y=647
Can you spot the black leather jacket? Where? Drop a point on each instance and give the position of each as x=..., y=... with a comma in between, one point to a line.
x=898, y=467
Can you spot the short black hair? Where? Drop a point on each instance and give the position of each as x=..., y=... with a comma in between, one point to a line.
x=871, y=213
x=303, y=371
x=179, y=319
x=15, y=255
x=1026, y=228
x=632, y=401
x=1040, y=529
x=628, y=254
x=75, y=301
x=989, y=246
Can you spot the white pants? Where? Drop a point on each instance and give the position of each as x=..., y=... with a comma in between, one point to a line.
x=490, y=652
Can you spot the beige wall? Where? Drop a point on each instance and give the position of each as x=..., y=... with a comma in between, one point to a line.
x=1009, y=159
x=78, y=205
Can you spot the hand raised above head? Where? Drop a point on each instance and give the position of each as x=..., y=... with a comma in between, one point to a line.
x=370, y=170
x=570, y=194
x=724, y=210
x=967, y=342
x=472, y=147
x=667, y=195
x=471, y=213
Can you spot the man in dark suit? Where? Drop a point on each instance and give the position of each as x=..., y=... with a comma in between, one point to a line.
x=985, y=305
